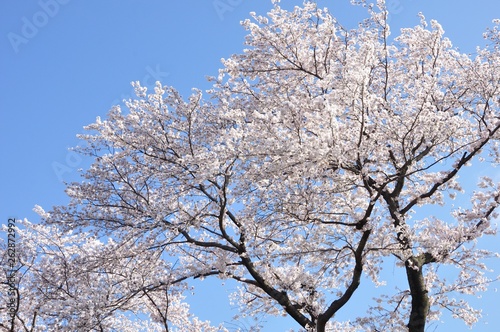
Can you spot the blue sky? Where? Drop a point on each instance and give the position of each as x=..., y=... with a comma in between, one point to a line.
x=64, y=62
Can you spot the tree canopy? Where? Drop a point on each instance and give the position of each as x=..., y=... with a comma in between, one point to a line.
x=315, y=159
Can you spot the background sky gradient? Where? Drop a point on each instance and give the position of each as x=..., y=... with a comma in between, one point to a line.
x=64, y=62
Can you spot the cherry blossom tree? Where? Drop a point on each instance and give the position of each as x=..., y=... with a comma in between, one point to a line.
x=316, y=158
x=75, y=282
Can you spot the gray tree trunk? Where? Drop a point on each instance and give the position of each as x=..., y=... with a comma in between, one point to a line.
x=419, y=298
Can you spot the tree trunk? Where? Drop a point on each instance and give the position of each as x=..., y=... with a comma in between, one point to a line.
x=419, y=298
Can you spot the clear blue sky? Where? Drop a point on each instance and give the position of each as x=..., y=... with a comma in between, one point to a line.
x=64, y=62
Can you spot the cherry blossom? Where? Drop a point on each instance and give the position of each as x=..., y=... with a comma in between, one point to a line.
x=320, y=155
